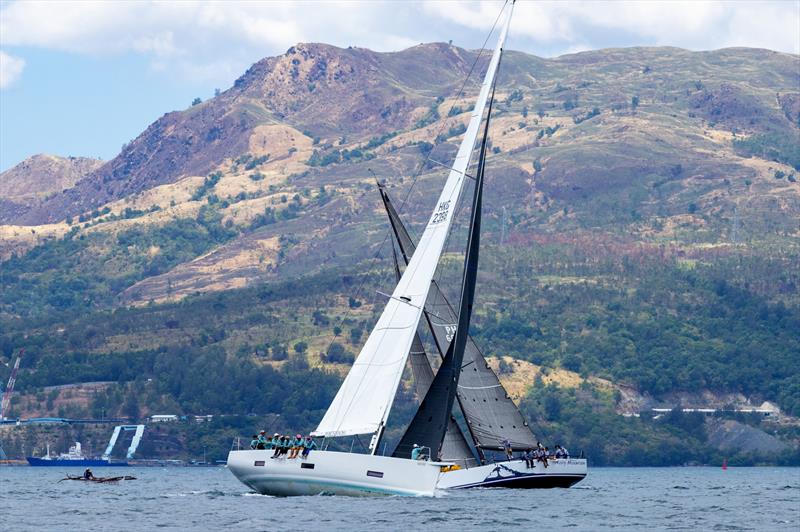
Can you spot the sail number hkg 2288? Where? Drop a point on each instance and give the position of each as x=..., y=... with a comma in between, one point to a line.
x=441, y=212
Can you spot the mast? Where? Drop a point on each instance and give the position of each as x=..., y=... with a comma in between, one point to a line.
x=429, y=424
x=364, y=400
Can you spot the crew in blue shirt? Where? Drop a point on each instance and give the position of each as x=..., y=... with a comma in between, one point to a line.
x=308, y=446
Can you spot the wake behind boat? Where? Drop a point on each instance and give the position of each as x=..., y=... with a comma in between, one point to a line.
x=434, y=453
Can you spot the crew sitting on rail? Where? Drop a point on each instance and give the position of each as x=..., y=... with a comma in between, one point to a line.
x=541, y=453
x=286, y=444
x=275, y=441
x=529, y=459
x=295, y=446
x=308, y=446
x=254, y=442
x=263, y=442
x=561, y=452
x=279, y=446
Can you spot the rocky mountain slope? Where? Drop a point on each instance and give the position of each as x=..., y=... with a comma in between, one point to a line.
x=649, y=140
x=39, y=177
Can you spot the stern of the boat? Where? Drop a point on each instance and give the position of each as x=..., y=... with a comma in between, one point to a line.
x=559, y=473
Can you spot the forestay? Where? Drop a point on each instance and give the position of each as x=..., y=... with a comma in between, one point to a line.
x=364, y=400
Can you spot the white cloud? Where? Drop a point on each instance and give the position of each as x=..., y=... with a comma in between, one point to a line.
x=693, y=24
x=214, y=40
x=10, y=69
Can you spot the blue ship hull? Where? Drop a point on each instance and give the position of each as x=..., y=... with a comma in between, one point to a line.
x=40, y=462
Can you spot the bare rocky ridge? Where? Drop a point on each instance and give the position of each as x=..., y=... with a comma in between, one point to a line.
x=43, y=174
x=346, y=96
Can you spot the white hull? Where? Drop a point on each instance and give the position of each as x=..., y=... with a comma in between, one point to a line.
x=560, y=473
x=334, y=473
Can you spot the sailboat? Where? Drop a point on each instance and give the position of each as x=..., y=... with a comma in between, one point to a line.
x=364, y=401
x=491, y=417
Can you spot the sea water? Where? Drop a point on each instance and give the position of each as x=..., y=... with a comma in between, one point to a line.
x=696, y=499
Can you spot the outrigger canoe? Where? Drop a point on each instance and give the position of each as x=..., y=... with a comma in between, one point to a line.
x=99, y=479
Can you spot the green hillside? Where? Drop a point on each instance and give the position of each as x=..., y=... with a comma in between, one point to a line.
x=642, y=212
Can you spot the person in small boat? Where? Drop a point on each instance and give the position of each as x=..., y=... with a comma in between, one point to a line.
x=254, y=442
x=308, y=446
x=508, y=449
x=416, y=451
x=88, y=474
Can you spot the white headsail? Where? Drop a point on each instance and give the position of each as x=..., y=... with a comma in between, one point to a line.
x=364, y=400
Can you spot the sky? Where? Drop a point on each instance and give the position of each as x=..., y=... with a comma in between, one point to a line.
x=84, y=77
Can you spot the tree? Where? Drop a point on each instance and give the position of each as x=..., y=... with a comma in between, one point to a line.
x=196, y=101
x=337, y=354
x=300, y=347
x=634, y=102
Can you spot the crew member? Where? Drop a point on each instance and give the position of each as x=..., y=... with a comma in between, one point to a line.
x=415, y=452
x=88, y=474
x=308, y=446
x=507, y=448
x=296, y=446
x=529, y=459
x=254, y=442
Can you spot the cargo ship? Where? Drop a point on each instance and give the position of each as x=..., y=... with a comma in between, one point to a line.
x=73, y=458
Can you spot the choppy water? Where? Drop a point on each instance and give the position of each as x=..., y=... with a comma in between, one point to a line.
x=211, y=499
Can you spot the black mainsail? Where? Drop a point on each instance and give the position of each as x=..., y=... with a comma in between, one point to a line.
x=455, y=447
x=490, y=413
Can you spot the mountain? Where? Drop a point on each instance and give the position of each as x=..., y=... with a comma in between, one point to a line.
x=41, y=176
x=641, y=227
